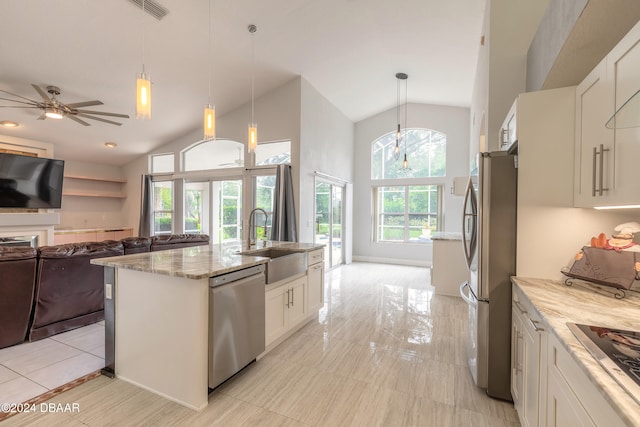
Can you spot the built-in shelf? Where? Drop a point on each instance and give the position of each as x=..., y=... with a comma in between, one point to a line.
x=94, y=194
x=95, y=178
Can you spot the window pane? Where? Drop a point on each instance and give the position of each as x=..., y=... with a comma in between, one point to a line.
x=229, y=204
x=264, y=192
x=196, y=195
x=162, y=222
x=426, y=152
x=392, y=199
x=162, y=163
x=163, y=207
x=213, y=154
x=273, y=153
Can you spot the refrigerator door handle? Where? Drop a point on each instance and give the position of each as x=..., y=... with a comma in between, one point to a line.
x=471, y=298
x=469, y=223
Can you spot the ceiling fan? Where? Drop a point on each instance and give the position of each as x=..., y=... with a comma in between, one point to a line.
x=54, y=109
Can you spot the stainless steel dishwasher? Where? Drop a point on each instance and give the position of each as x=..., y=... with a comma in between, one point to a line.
x=236, y=322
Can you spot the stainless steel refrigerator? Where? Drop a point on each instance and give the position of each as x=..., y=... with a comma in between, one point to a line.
x=489, y=239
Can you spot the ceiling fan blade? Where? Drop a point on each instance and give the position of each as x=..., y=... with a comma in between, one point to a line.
x=18, y=96
x=42, y=93
x=84, y=104
x=95, y=118
x=19, y=106
x=75, y=119
x=42, y=117
x=33, y=104
x=124, y=116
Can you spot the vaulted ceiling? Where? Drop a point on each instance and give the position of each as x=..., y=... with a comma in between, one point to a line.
x=349, y=50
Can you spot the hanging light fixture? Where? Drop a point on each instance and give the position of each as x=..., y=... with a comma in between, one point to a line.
x=209, y=110
x=253, y=127
x=396, y=149
x=405, y=162
x=143, y=85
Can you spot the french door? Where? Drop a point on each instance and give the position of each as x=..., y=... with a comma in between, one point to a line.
x=329, y=220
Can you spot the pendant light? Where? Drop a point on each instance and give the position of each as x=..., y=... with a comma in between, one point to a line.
x=405, y=162
x=209, y=110
x=143, y=85
x=253, y=127
x=396, y=149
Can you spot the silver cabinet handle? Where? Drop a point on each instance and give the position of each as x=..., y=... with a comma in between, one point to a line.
x=522, y=310
x=288, y=298
x=292, y=297
x=518, y=365
x=536, y=328
x=593, y=172
x=602, y=150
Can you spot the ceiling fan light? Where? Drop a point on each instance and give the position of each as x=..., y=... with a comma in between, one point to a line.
x=54, y=113
x=209, y=122
x=143, y=96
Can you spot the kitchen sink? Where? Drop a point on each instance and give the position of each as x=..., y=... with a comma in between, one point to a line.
x=282, y=263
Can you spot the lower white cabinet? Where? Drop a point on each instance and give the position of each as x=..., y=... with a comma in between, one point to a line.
x=571, y=398
x=547, y=385
x=285, y=307
x=315, y=279
x=528, y=342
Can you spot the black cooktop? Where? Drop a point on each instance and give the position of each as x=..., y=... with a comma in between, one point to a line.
x=617, y=350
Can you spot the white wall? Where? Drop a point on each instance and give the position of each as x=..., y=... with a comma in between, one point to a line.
x=454, y=122
x=326, y=145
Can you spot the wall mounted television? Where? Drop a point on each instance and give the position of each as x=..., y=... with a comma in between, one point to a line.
x=30, y=182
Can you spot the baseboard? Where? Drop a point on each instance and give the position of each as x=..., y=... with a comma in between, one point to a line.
x=396, y=261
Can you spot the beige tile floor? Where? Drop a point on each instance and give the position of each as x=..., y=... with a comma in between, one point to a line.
x=30, y=369
x=385, y=351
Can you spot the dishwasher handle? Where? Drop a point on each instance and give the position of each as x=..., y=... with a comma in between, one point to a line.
x=235, y=275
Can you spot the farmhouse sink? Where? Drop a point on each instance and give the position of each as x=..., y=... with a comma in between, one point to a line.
x=282, y=263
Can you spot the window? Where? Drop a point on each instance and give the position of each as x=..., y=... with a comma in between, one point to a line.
x=213, y=154
x=407, y=213
x=195, y=216
x=426, y=150
x=162, y=207
x=228, y=221
x=264, y=189
x=161, y=163
x=408, y=203
x=273, y=153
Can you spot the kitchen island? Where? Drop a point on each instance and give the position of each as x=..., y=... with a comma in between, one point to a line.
x=556, y=304
x=157, y=315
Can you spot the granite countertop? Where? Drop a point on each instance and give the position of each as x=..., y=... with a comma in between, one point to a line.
x=446, y=235
x=199, y=262
x=558, y=304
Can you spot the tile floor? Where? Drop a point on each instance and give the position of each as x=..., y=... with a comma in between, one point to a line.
x=30, y=369
x=385, y=351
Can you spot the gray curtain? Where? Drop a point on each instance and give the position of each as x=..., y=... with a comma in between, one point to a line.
x=144, y=228
x=283, y=223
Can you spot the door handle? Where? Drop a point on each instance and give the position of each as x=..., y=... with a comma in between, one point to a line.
x=288, y=298
x=292, y=297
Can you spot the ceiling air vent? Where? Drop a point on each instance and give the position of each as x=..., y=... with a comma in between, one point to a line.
x=152, y=8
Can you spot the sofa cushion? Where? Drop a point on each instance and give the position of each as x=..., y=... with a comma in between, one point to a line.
x=17, y=282
x=175, y=241
x=136, y=245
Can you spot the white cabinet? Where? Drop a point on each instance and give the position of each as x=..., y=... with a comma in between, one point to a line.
x=509, y=129
x=594, y=142
x=571, y=398
x=528, y=341
x=449, y=267
x=606, y=159
x=315, y=279
x=284, y=308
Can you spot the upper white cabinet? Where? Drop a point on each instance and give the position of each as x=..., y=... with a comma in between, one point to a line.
x=509, y=130
x=606, y=159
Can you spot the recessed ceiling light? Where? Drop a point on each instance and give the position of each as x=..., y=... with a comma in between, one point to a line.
x=9, y=124
x=110, y=144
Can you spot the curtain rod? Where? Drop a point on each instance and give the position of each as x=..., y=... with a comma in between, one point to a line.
x=334, y=178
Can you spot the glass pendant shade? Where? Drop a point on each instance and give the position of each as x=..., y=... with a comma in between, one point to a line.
x=209, y=122
x=405, y=162
x=253, y=137
x=143, y=96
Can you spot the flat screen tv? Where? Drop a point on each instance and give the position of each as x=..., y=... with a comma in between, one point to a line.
x=30, y=182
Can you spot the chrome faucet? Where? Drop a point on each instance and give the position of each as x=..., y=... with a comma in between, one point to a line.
x=251, y=226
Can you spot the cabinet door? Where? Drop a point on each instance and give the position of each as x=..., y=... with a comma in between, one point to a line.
x=297, y=303
x=122, y=234
x=623, y=68
x=276, y=314
x=315, y=279
x=594, y=148
x=516, y=360
x=531, y=373
x=563, y=408
x=105, y=235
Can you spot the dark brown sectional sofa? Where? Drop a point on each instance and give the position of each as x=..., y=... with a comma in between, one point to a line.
x=56, y=288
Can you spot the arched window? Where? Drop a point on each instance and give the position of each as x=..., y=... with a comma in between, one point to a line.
x=213, y=154
x=408, y=202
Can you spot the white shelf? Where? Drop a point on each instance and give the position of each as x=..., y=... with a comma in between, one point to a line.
x=94, y=194
x=94, y=178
